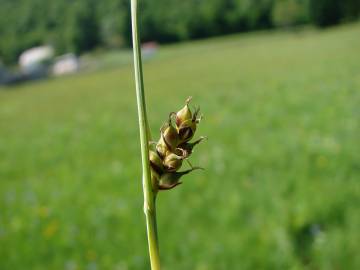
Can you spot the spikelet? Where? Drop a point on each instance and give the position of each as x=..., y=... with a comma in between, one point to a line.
x=186, y=122
x=173, y=148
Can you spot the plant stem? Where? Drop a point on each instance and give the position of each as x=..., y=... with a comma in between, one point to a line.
x=149, y=195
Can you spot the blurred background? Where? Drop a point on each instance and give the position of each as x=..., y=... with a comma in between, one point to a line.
x=278, y=82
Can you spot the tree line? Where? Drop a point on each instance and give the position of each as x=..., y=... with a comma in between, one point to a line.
x=82, y=25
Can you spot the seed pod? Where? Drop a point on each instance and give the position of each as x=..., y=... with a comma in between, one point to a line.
x=172, y=179
x=186, y=149
x=187, y=128
x=184, y=114
x=186, y=131
x=172, y=162
x=156, y=162
x=162, y=148
x=170, y=136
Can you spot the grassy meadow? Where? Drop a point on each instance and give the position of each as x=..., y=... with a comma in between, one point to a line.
x=281, y=187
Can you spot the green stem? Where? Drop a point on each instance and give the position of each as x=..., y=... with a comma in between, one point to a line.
x=149, y=195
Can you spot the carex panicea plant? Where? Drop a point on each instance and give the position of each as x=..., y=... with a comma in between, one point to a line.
x=161, y=160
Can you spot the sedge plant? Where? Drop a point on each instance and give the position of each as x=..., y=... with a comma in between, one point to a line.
x=161, y=160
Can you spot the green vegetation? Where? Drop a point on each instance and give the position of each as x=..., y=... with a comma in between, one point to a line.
x=149, y=176
x=281, y=185
x=82, y=25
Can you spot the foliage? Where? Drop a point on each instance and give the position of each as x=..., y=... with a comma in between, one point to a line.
x=83, y=29
x=290, y=12
x=81, y=25
x=329, y=12
x=280, y=188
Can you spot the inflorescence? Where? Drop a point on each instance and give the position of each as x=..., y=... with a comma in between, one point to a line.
x=173, y=148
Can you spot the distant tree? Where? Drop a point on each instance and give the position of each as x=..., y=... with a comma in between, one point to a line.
x=351, y=9
x=82, y=31
x=287, y=13
x=82, y=25
x=113, y=21
x=325, y=12
x=330, y=12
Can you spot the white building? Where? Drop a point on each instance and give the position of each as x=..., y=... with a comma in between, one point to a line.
x=35, y=56
x=65, y=64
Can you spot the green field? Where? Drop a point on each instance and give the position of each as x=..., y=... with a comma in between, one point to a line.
x=281, y=186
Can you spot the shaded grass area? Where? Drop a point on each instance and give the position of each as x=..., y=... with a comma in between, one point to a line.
x=281, y=186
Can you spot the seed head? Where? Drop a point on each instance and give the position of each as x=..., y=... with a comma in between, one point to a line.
x=173, y=147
